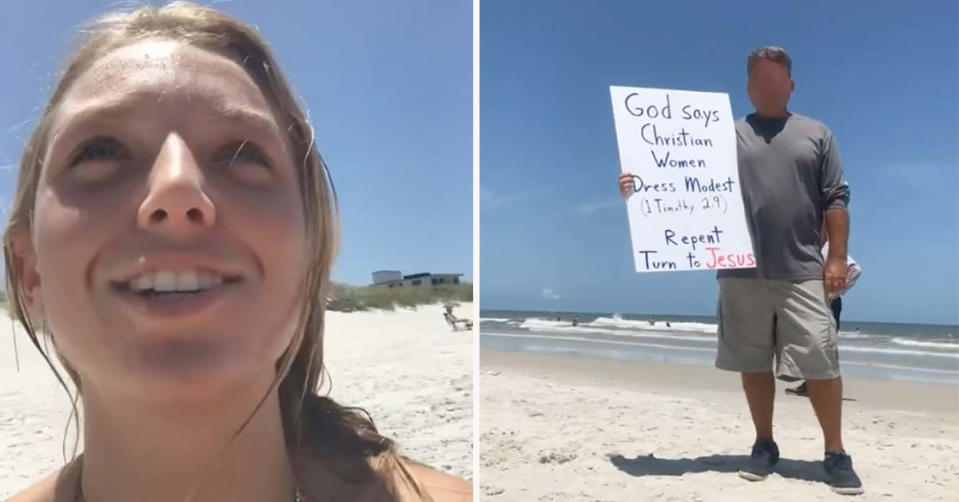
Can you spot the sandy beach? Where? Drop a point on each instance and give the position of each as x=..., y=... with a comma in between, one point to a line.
x=571, y=428
x=415, y=377
x=407, y=368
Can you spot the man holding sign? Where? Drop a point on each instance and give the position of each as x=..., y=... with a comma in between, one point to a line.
x=775, y=308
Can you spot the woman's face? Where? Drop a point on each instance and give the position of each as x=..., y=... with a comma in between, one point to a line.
x=168, y=244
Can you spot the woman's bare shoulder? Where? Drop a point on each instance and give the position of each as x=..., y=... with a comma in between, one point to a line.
x=44, y=490
x=442, y=487
x=41, y=491
x=54, y=487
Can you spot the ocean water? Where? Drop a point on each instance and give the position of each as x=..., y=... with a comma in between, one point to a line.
x=922, y=352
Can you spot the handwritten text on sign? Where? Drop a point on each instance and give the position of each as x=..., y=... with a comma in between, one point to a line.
x=687, y=210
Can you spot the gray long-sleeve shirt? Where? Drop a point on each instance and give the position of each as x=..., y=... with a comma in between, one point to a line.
x=790, y=174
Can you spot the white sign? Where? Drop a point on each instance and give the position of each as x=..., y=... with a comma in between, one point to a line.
x=686, y=212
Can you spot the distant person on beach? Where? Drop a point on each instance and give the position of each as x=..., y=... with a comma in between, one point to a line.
x=790, y=173
x=454, y=321
x=575, y=321
x=835, y=300
x=172, y=233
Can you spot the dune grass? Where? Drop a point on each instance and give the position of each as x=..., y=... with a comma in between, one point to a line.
x=346, y=298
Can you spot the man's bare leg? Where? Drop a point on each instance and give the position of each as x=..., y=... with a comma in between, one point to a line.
x=760, y=390
x=826, y=398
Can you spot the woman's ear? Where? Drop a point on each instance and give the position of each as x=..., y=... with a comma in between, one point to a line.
x=27, y=276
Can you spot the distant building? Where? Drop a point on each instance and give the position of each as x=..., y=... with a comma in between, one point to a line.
x=395, y=279
x=385, y=276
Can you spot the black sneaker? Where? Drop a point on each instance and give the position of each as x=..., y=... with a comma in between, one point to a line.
x=839, y=471
x=764, y=456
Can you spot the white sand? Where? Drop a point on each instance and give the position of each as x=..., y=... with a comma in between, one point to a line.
x=563, y=428
x=405, y=367
x=415, y=377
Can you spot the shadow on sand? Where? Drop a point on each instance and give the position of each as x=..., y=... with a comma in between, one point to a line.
x=649, y=465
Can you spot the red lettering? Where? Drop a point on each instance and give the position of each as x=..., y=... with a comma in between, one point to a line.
x=712, y=253
x=729, y=260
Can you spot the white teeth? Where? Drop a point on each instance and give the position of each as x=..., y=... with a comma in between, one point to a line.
x=164, y=281
x=170, y=280
x=187, y=281
x=141, y=283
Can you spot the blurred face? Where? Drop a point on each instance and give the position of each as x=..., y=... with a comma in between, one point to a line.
x=769, y=87
x=167, y=248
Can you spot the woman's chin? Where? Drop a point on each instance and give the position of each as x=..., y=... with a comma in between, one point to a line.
x=183, y=373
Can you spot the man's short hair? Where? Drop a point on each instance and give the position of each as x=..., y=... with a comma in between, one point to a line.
x=772, y=53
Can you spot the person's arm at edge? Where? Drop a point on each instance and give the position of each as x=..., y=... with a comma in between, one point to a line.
x=837, y=226
x=835, y=196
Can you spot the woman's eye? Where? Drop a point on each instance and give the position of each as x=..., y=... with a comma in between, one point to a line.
x=246, y=161
x=100, y=149
x=245, y=152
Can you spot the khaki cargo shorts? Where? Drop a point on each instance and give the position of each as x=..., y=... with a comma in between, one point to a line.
x=761, y=320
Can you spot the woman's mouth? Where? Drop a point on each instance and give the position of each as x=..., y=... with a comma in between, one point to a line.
x=166, y=294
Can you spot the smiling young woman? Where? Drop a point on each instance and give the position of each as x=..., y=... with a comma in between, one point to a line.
x=173, y=231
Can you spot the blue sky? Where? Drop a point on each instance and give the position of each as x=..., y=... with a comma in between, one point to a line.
x=885, y=79
x=389, y=88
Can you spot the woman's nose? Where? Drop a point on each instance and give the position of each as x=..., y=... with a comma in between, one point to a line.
x=176, y=204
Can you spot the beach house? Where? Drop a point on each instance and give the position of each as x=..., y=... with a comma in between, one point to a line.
x=395, y=279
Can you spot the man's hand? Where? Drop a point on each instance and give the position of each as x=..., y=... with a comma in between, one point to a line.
x=626, y=185
x=834, y=274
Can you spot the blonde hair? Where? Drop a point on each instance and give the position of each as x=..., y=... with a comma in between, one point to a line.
x=345, y=439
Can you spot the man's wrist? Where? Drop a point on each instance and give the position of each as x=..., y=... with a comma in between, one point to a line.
x=838, y=253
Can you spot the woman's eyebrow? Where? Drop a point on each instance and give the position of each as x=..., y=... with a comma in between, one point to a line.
x=130, y=104
x=81, y=114
x=253, y=118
